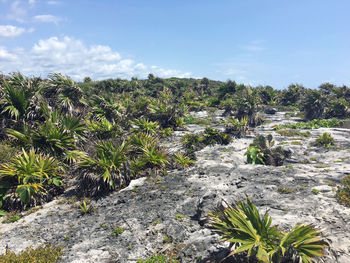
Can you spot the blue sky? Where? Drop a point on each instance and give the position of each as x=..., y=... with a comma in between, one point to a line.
x=270, y=42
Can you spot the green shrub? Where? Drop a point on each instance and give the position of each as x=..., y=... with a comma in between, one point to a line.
x=29, y=175
x=237, y=128
x=293, y=133
x=343, y=192
x=325, y=140
x=43, y=254
x=250, y=232
x=314, y=124
x=158, y=259
x=106, y=170
x=181, y=160
x=261, y=152
x=254, y=155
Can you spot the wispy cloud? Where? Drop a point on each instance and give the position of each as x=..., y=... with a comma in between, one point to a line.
x=9, y=31
x=47, y=19
x=253, y=46
x=53, y=2
x=72, y=57
x=17, y=12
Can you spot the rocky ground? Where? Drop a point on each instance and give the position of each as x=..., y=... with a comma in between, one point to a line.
x=169, y=213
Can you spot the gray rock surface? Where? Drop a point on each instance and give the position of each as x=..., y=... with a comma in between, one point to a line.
x=169, y=213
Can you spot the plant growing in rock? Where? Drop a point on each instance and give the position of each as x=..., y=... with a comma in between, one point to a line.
x=43, y=254
x=261, y=151
x=248, y=231
x=325, y=140
x=254, y=155
x=343, y=191
x=181, y=160
x=29, y=177
x=213, y=136
x=237, y=128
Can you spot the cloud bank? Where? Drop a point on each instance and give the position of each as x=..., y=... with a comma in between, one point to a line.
x=72, y=57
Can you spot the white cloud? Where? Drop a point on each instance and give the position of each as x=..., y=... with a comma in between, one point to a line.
x=53, y=2
x=17, y=12
x=6, y=56
x=47, y=19
x=31, y=2
x=7, y=31
x=72, y=57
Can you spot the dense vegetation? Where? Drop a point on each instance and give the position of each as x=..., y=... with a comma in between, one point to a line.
x=99, y=135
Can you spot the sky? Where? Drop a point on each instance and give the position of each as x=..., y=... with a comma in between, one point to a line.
x=255, y=42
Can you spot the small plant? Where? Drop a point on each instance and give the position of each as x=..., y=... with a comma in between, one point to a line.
x=247, y=230
x=315, y=191
x=325, y=140
x=167, y=239
x=254, y=155
x=158, y=259
x=261, y=151
x=179, y=217
x=117, y=231
x=182, y=160
x=85, y=207
x=42, y=254
x=11, y=219
x=343, y=191
x=237, y=128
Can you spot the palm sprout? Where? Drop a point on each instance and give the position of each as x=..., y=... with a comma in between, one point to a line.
x=248, y=231
x=105, y=171
x=28, y=175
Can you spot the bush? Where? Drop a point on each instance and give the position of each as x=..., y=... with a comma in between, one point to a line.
x=314, y=124
x=250, y=232
x=237, y=128
x=43, y=254
x=343, y=192
x=261, y=152
x=325, y=140
x=29, y=177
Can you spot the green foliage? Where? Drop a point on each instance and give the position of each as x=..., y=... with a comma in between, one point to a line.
x=29, y=175
x=181, y=160
x=293, y=133
x=11, y=219
x=106, y=170
x=158, y=259
x=85, y=207
x=213, y=136
x=254, y=234
x=325, y=140
x=117, y=231
x=103, y=129
x=254, y=155
x=314, y=124
x=237, y=128
x=343, y=191
x=146, y=126
x=42, y=254
x=261, y=151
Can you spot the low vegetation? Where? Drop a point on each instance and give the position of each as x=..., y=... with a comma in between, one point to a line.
x=313, y=124
x=42, y=254
x=261, y=151
x=325, y=140
x=343, y=192
x=252, y=233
